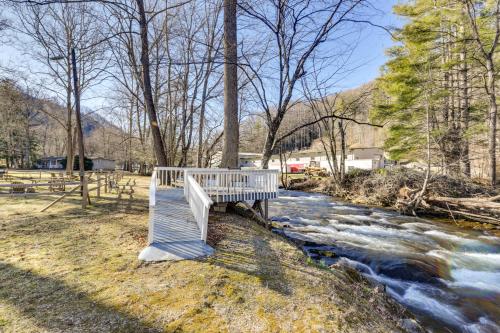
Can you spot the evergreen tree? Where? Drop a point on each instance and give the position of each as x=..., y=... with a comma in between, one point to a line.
x=433, y=68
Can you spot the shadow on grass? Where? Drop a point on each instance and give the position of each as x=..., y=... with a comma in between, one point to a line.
x=247, y=253
x=55, y=306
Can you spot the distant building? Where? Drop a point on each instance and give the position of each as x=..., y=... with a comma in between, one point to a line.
x=51, y=162
x=101, y=163
x=246, y=160
x=366, y=158
x=250, y=160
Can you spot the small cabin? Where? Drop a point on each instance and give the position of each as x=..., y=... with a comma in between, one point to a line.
x=51, y=162
x=250, y=160
x=101, y=163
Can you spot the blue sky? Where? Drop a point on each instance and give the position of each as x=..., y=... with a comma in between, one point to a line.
x=369, y=54
x=371, y=49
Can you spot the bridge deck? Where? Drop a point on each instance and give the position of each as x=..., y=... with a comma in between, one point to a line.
x=173, y=232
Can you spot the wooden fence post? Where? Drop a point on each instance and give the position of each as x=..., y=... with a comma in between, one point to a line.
x=98, y=185
x=84, y=192
x=105, y=183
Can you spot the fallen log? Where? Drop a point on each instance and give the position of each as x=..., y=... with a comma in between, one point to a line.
x=481, y=209
x=468, y=215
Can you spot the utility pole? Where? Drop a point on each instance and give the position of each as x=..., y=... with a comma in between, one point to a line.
x=81, y=150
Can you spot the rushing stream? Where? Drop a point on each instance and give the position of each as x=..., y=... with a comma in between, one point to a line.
x=447, y=276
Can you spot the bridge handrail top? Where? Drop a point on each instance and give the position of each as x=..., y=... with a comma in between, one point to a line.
x=200, y=192
x=235, y=171
x=216, y=170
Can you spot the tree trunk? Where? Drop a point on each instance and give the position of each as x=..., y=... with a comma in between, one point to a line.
x=492, y=120
x=268, y=146
x=464, y=109
x=69, y=128
x=159, y=149
x=231, y=119
x=343, y=149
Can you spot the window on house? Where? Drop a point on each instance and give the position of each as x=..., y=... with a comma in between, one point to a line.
x=297, y=159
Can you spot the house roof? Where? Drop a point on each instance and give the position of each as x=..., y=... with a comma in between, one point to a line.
x=359, y=146
x=101, y=158
x=249, y=155
x=52, y=158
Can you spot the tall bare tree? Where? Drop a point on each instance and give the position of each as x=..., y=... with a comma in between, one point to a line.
x=486, y=34
x=295, y=31
x=231, y=119
x=53, y=30
x=159, y=148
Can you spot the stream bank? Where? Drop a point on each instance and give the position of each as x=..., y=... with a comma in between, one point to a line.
x=389, y=188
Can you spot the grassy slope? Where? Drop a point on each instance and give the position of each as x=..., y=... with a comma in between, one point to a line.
x=72, y=271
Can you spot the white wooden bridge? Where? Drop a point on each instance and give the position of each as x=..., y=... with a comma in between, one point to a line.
x=180, y=201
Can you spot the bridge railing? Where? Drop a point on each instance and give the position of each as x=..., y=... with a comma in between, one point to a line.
x=203, y=187
x=152, y=188
x=172, y=176
x=224, y=185
x=199, y=202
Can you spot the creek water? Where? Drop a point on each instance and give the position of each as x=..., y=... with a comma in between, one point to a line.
x=447, y=276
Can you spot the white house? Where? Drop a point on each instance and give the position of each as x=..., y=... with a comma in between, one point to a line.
x=246, y=160
x=366, y=158
x=250, y=160
x=101, y=163
x=50, y=162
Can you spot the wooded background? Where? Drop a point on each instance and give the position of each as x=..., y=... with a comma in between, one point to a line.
x=160, y=66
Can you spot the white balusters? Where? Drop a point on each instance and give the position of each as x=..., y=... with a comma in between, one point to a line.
x=152, y=190
x=201, y=186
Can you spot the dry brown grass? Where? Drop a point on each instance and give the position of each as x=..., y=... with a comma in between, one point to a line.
x=69, y=270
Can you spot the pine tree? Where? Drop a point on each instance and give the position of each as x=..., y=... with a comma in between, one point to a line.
x=432, y=66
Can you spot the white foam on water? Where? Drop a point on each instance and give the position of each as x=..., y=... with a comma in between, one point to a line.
x=383, y=220
x=378, y=231
x=308, y=221
x=369, y=273
x=344, y=207
x=357, y=265
x=418, y=225
x=363, y=218
x=491, y=238
x=321, y=233
x=477, y=260
x=481, y=280
x=453, y=238
x=347, y=218
x=305, y=198
x=483, y=325
x=365, y=240
x=414, y=297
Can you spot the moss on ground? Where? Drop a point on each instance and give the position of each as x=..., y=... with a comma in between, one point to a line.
x=68, y=270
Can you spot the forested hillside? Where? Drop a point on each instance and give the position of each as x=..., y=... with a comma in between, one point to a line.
x=316, y=123
x=33, y=127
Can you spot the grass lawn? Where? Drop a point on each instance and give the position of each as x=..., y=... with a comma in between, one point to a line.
x=68, y=270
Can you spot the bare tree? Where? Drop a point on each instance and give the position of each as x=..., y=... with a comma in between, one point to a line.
x=159, y=148
x=296, y=31
x=54, y=30
x=487, y=39
x=231, y=119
